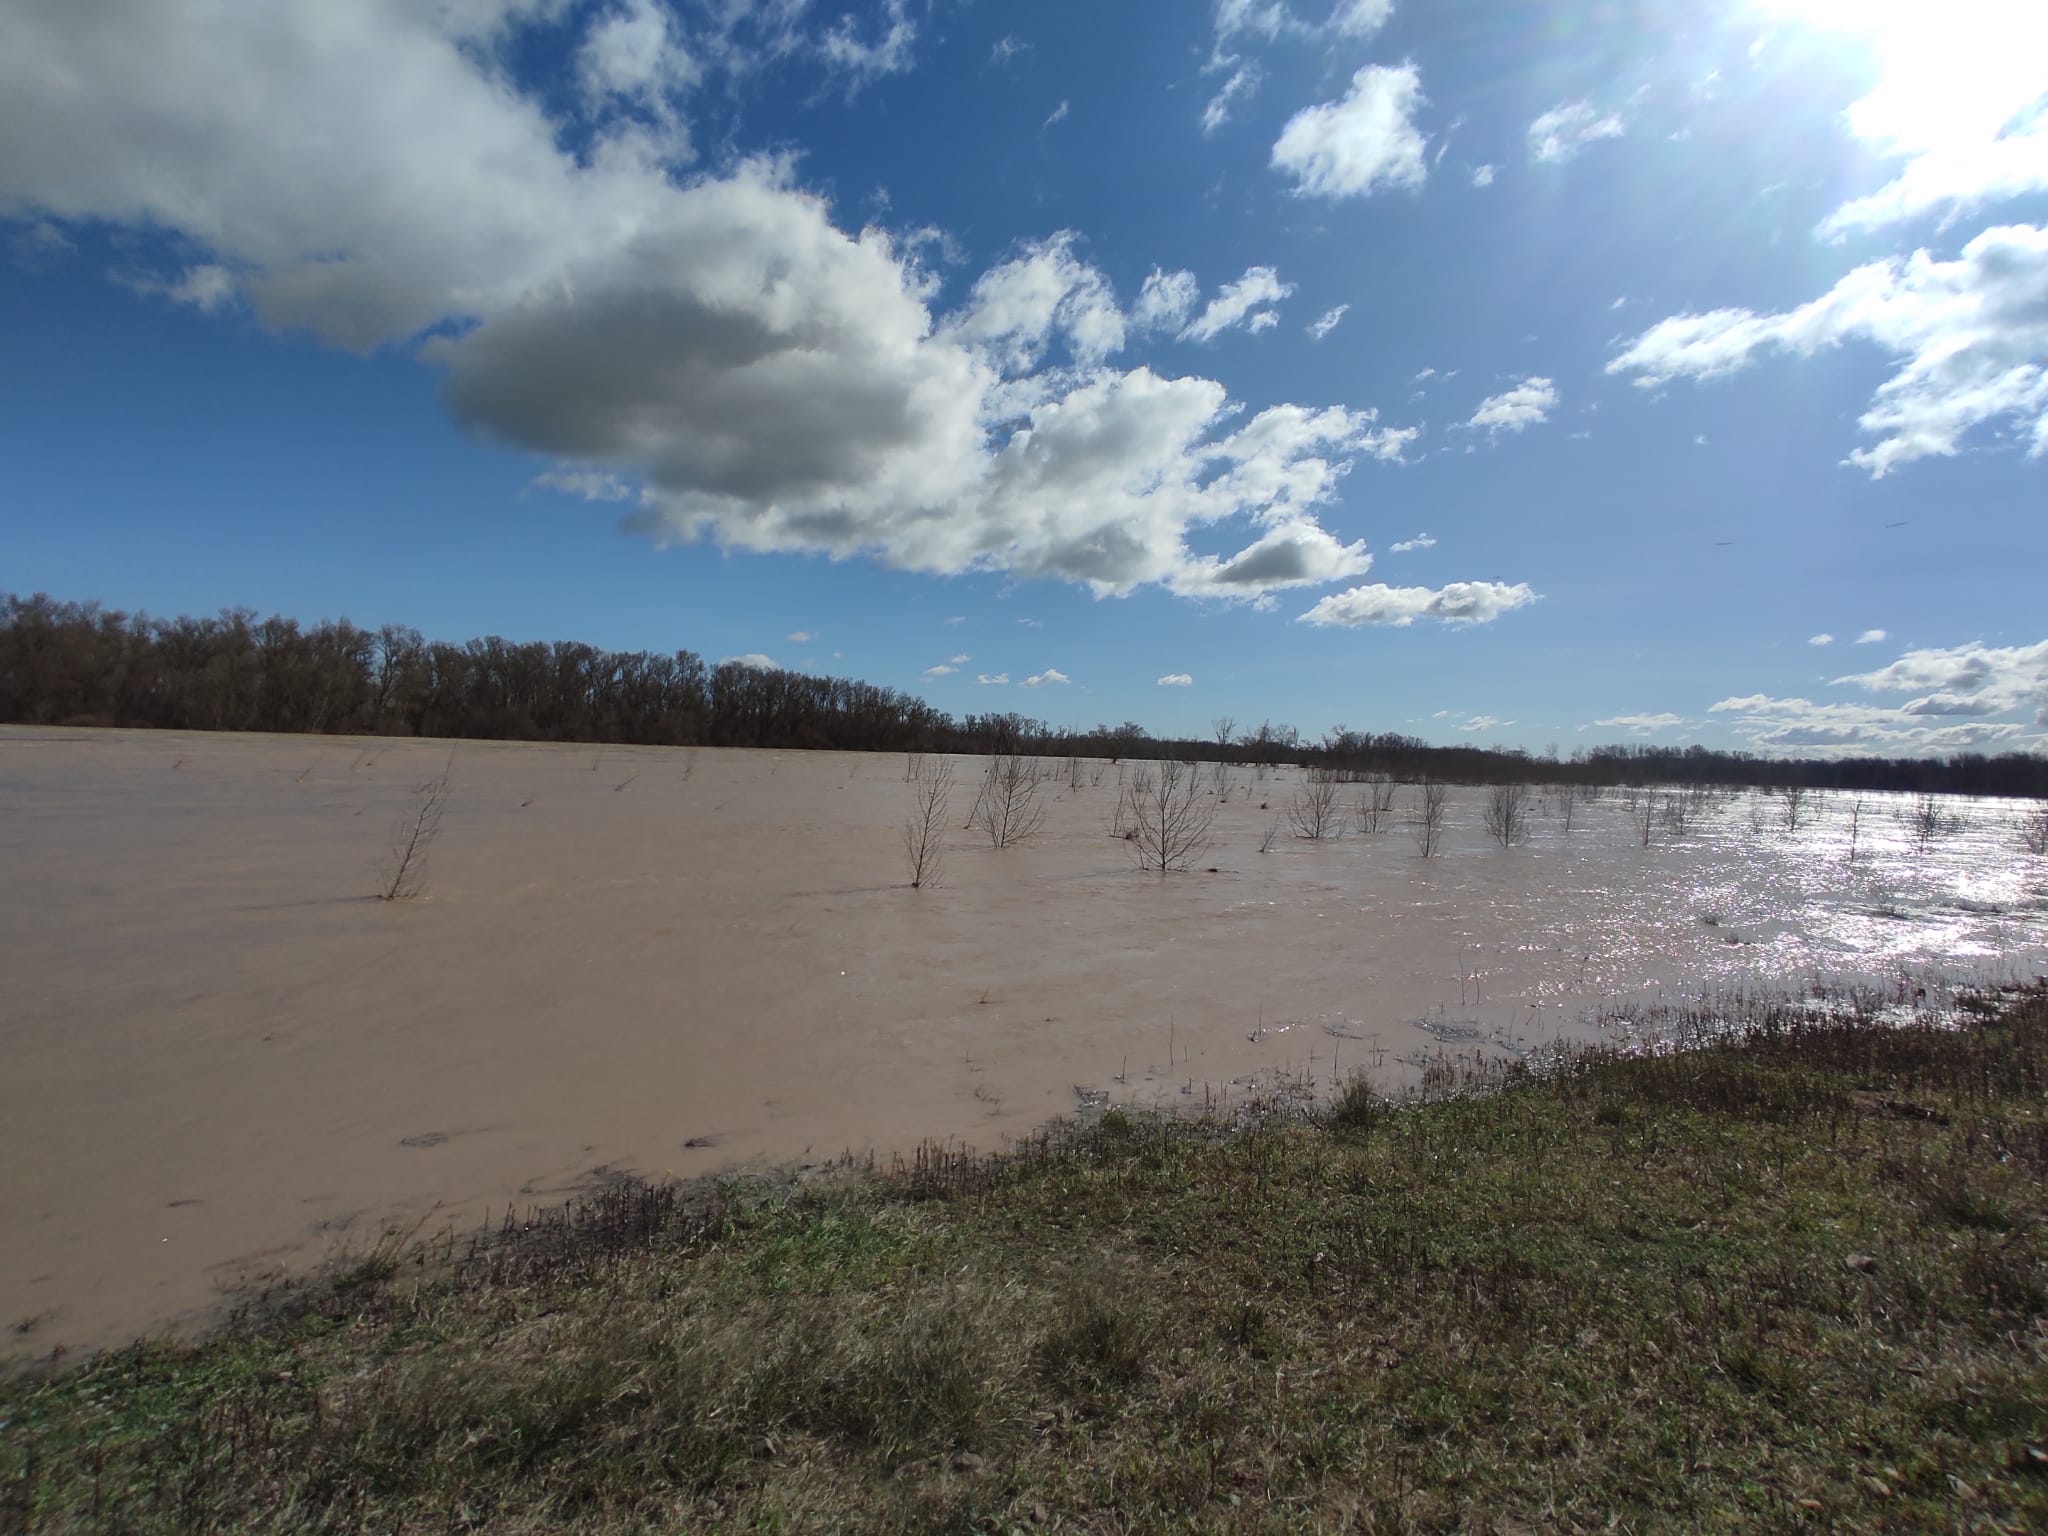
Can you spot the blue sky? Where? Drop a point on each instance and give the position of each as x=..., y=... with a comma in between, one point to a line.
x=1510, y=372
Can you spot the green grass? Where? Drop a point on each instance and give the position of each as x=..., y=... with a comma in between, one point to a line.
x=1791, y=1279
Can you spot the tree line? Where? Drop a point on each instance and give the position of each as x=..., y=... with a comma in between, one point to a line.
x=81, y=664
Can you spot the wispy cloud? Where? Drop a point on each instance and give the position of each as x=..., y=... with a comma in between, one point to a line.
x=1243, y=302
x=1177, y=680
x=1563, y=131
x=590, y=484
x=1409, y=546
x=1049, y=677
x=1327, y=321
x=1642, y=725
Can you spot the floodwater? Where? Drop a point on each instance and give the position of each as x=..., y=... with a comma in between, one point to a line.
x=222, y=1058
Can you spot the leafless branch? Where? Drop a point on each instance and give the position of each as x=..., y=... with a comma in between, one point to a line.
x=405, y=871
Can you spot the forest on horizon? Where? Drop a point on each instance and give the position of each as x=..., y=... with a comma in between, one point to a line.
x=79, y=664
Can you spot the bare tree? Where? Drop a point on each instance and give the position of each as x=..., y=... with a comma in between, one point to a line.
x=1927, y=821
x=1007, y=807
x=1675, y=811
x=404, y=874
x=1855, y=825
x=1073, y=773
x=1314, y=810
x=1507, y=814
x=1795, y=805
x=1266, y=838
x=1168, y=816
x=924, y=834
x=2034, y=830
x=913, y=765
x=1566, y=801
x=1428, y=821
x=1642, y=812
x=1375, y=803
x=1224, y=728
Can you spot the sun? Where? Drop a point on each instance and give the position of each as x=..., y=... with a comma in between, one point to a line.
x=1942, y=73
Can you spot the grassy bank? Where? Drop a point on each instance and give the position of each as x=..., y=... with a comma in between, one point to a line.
x=1793, y=1281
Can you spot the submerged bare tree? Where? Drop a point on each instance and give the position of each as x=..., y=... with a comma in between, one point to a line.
x=1168, y=817
x=1676, y=810
x=1428, y=821
x=1566, y=801
x=1642, y=812
x=1927, y=820
x=1007, y=807
x=924, y=834
x=1314, y=810
x=2034, y=830
x=1507, y=814
x=1795, y=805
x=1375, y=803
x=404, y=874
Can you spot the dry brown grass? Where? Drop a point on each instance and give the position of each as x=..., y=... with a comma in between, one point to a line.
x=1793, y=1277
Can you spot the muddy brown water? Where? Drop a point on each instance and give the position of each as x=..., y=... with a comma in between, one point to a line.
x=222, y=1058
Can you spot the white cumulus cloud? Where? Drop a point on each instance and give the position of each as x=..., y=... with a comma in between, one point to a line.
x=1409, y=546
x=1050, y=677
x=1958, y=101
x=1969, y=339
x=1823, y=638
x=632, y=53
x=1362, y=143
x=367, y=175
x=1177, y=680
x=1872, y=637
x=1960, y=698
x=1458, y=602
x=992, y=679
x=1528, y=404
